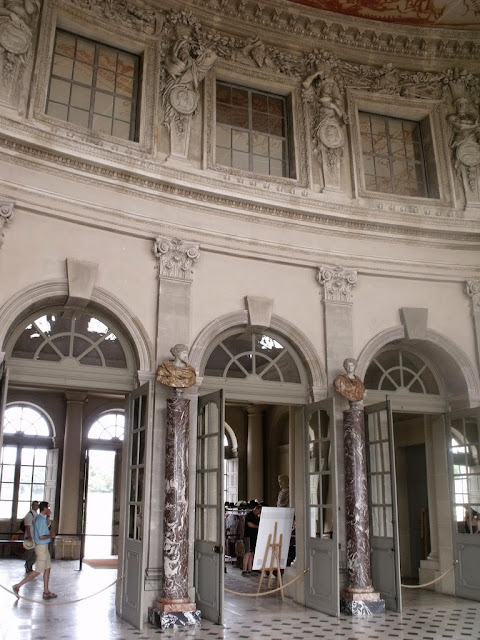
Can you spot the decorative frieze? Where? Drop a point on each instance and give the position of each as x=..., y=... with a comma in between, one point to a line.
x=176, y=258
x=338, y=283
x=6, y=213
x=132, y=15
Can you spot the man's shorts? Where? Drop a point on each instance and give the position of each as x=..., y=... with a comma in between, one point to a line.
x=42, y=558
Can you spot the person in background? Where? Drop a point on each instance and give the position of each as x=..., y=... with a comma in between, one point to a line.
x=42, y=537
x=252, y=522
x=28, y=521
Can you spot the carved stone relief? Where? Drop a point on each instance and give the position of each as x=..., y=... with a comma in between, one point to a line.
x=18, y=20
x=321, y=91
x=176, y=258
x=338, y=283
x=133, y=15
x=6, y=213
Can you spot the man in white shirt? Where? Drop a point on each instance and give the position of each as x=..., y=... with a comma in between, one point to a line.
x=28, y=524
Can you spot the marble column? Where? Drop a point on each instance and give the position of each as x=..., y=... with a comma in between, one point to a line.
x=69, y=547
x=359, y=597
x=174, y=607
x=255, y=453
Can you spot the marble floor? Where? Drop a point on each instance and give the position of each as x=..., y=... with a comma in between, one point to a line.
x=426, y=616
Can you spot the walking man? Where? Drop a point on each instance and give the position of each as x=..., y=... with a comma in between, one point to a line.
x=28, y=521
x=42, y=537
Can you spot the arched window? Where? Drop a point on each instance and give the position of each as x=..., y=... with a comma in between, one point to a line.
x=230, y=465
x=110, y=426
x=400, y=370
x=27, y=436
x=55, y=337
x=254, y=355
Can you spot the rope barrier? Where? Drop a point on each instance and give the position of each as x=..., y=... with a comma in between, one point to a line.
x=427, y=584
x=63, y=602
x=267, y=593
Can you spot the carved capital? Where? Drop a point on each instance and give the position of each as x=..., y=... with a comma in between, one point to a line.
x=6, y=213
x=472, y=289
x=337, y=283
x=175, y=257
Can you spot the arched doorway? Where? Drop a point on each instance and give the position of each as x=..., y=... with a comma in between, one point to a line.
x=266, y=383
x=103, y=458
x=426, y=382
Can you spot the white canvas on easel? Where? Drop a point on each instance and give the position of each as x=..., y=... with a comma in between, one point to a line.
x=283, y=516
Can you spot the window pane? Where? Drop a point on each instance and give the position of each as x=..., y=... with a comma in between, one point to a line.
x=393, y=157
x=260, y=116
x=81, y=67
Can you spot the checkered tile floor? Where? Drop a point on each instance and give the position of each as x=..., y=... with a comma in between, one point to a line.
x=426, y=616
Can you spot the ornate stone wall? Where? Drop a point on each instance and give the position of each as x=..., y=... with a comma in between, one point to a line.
x=327, y=66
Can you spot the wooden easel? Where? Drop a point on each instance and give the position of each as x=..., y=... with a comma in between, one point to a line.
x=271, y=561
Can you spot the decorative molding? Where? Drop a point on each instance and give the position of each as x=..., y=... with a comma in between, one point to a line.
x=293, y=209
x=176, y=257
x=137, y=16
x=337, y=283
x=352, y=32
x=6, y=213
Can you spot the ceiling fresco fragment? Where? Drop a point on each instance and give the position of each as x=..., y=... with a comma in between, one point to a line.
x=423, y=13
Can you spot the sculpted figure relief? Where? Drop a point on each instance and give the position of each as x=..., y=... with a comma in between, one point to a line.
x=16, y=26
x=348, y=385
x=466, y=134
x=177, y=372
x=186, y=65
x=321, y=90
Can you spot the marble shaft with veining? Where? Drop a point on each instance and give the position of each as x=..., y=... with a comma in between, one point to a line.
x=356, y=503
x=175, y=582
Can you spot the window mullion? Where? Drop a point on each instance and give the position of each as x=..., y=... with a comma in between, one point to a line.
x=250, y=131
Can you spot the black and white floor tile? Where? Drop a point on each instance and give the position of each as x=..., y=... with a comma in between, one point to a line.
x=426, y=615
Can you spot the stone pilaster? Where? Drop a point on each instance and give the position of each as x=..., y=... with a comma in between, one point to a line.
x=472, y=289
x=337, y=284
x=171, y=464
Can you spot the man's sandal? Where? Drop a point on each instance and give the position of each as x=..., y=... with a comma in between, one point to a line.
x=49, y=595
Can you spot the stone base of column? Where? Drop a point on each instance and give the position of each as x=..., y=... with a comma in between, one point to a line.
x=361, y=604
x=167, y=615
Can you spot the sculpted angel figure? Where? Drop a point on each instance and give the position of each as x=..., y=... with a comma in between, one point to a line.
x=349, y=385
x=177, y=372
x=466, y=134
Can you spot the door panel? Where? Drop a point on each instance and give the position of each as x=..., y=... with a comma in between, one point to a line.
x=384, y=544
x=137, y=432
x=463, y=443
x=321, y=545
x=209, y=507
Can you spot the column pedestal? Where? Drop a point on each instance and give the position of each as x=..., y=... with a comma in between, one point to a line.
x=359, y=597
x=174, y=608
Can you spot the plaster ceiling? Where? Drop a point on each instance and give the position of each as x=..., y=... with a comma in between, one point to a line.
x=463, y=14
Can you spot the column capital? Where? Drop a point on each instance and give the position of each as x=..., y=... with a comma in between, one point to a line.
x=472, y=289
x=6, y=213
x=337, y=282
x=75, y=396
x=176, y=257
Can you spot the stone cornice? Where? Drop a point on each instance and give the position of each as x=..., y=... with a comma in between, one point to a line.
x=137, y=225
x=207, y=190
x=355, y=34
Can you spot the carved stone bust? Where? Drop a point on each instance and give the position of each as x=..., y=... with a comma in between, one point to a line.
x=177, y=372
x=348, y=385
